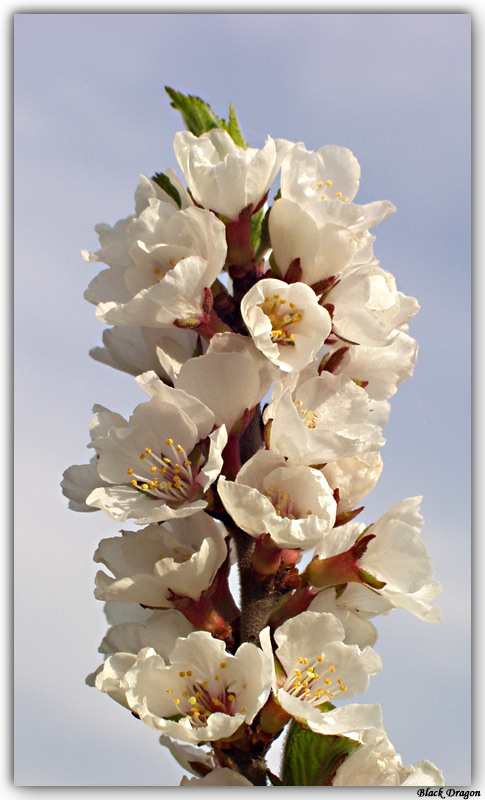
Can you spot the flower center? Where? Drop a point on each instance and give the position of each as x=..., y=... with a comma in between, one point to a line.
x=173, y=480
x=283, y=316
x=201, y=698
x=283, y=504
x=315, y=683
x=338, y=195
x=159, y=274
x=309, y=417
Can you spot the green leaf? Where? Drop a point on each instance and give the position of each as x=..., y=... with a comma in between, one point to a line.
x=199, y=117
x=310, y=759
x=196, y=114
x=166, y=184
x=234, y=130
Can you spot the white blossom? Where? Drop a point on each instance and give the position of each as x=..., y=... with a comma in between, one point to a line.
x=294, y=504
x=306, y=175
x=368, y=308
x=226, y=178
x=376, y=763
x=160, y=630
x=180, y=557
x=285, y=322
x=134, y=349
x=354, y=477
x=395, y=556
x=358, y=629
x=159, y=265
x=146, y=462
x=204, y=694
x=331, y=177
x=123, y=642
x=230, y=378
x=321, y=418
x=320, y=235
x=319, y=668
x=380, y=370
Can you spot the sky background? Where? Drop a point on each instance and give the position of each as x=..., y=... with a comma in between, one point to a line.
x=90, y=115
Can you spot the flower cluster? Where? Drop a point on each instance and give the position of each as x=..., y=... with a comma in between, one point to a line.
x=269, y=340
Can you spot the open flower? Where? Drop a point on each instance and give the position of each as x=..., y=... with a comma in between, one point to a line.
x=368, y=308
x=379, y=370
x=149, y=566
x=164, y=257
x=330, y=176
x=160, y=464
x=159, y=630
x=307, y=175
x=354, y=477
x=294, y=504
x=226, y=178
x=285, y=322
x=321, y=236
x=318, y=668
x=133, y=349
x=376, y=763
x=358, y=629
x=123, y=642
x=205, y=694
x=230, y=378
x=388, y=556
x=321, y=418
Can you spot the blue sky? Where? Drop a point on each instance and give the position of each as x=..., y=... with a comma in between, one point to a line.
x=91, y=115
